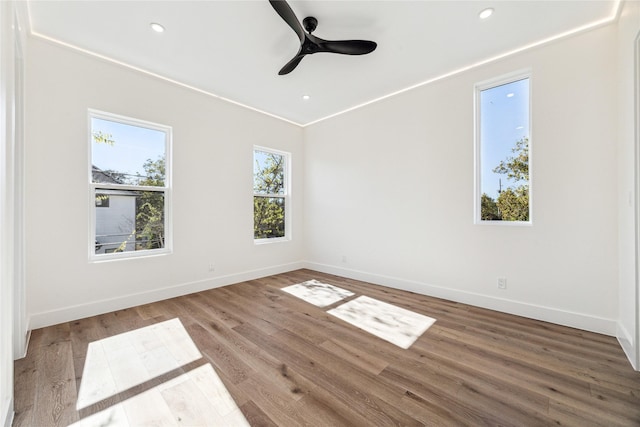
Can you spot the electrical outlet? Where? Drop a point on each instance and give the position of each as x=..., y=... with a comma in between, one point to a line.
x=212, y=268
x=502, y=283
x=344, y=259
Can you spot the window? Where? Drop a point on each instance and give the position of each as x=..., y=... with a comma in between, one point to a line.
x=270, y=195
x=129, y=175
x=502, y=151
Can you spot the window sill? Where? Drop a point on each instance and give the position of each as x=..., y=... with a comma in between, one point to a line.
x=96, y=259
x=267, y=240
x=505, y=223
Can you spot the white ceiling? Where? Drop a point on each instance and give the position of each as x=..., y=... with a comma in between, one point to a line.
x=234, y=49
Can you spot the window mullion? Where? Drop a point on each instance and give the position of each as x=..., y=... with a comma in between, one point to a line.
x=108, y=186
x=270, y=196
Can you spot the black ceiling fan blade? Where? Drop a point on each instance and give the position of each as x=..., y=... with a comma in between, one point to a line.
x=284, y=10
x=309, y=43
x=291, y=65
x=348, y=47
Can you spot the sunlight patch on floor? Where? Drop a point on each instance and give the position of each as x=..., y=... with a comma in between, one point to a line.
x=318, y=293
x=116, y=364
x=197, y=398
x=393, y=324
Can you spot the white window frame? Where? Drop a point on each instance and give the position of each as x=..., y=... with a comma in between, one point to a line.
x=93, y=187
x=478, y=88
x=286, y=196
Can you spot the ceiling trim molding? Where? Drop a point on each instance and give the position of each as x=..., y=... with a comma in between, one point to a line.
x=614, y=16
x=157, y=76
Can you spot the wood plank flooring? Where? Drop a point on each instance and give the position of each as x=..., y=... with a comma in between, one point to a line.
x=286, y=362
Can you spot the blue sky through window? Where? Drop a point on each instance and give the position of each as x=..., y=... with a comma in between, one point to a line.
x=504, y=119
x=133, y=146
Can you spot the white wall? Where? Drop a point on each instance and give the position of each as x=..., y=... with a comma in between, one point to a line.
x=629, y=302
x=390, y=187
x=212, y=188
x=12, y=325
x=6, y=216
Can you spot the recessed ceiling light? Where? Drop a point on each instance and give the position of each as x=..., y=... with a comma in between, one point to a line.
x=510, y=95
x=306, y=97
x=157, y=27
x=484, y=14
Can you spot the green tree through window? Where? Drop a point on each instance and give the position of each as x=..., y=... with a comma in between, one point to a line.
x=150, y=208
x=503, y=147
x=513, y=202
x=269, y=194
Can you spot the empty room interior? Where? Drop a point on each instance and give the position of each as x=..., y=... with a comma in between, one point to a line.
x=320, y=213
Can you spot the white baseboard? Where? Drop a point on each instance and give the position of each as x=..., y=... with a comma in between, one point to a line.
x=67, y=314
x=7, y=415
x=547, y=314
x=27, y=340
x=626, y=342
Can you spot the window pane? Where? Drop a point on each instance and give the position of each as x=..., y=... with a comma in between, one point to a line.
x=126, y=154
x=268, y=217
x=130, y=221
x=268, y=173
x=504, y=152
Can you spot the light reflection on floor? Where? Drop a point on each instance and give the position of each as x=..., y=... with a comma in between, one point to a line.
x=318, y=293
x=394, y=324
x=116, y=364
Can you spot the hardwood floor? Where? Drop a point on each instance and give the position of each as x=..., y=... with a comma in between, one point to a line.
x=286, y=362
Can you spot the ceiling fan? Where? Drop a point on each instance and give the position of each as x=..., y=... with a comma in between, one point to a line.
x=310, y=44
